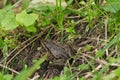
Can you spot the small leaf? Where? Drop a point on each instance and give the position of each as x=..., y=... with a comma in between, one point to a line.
x=31, y=29
x=88, y=47
x=4, y=46
x=9, y=22
x=2, y=43
x=70, y=29
x=26, y=19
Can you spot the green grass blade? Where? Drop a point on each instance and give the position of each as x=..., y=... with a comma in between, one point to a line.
x=25, y=74
x=113, y=41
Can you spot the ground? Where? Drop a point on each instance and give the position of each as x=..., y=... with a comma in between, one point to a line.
x=77, y=53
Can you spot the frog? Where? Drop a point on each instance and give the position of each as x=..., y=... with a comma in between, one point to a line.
x=59, y=52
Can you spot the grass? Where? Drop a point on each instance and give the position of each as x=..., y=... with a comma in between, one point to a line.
x=94, y=25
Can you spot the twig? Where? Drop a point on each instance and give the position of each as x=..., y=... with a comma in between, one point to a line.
x=35, y=77
x=18, y=47
x=12, y=70
x=38, y=36
x=116, y=64
x=106, y=24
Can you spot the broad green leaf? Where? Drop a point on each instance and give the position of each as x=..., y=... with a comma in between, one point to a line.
x=25, y=74
x=31, y=29
x=26, y=19
x=112, y=6
x=9, y=21
x=2, y=14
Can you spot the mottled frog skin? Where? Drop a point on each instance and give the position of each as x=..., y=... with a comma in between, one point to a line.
x=57, y=50
x=61, y=54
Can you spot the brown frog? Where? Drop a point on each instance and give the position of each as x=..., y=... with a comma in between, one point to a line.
x=60, y=53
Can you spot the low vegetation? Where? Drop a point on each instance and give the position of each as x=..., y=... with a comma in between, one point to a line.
x=59, y=40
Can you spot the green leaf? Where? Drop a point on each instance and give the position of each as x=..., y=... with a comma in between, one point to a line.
x=113, y=41
x=56, y=78
x=70, y=29
x=100, y=73
x=2, y=43
x=2, y=14
x=114, y=75
x=9, y=22
x=117, y=72
x=7, y=77
x=25, y=4
x=88, y=47
x=84, y=67
x=4, y=46
x=26, y=19
x=110, y=76
x=66, y=74
x=1, y=76
x=25, y=74
x=112, y=6
x=31, y=29
x=82, y=78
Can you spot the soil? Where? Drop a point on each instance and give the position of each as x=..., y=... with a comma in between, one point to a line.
x=59, y=53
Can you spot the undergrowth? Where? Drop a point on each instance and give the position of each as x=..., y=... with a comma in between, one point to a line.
x=33, y=17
